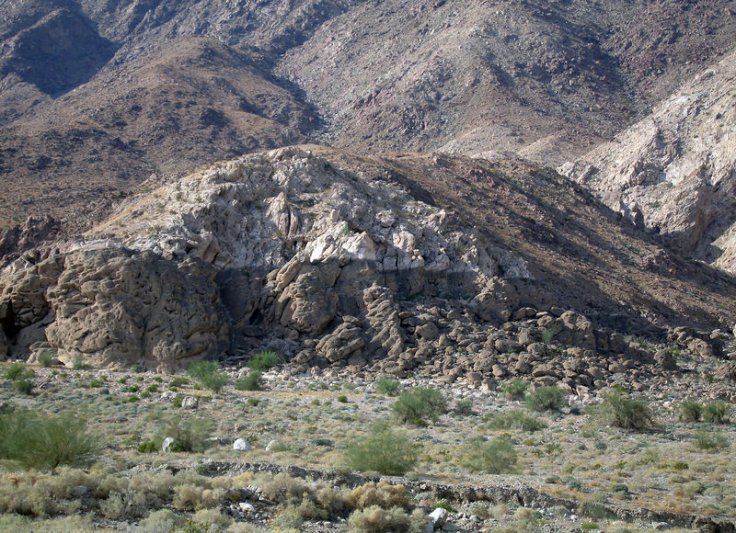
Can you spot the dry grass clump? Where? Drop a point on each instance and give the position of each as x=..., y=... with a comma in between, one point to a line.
x=375, y=519
x=381, y=494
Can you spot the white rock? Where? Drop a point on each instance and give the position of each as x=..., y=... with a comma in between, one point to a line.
x=190, y=402
x=168, y=441
x=438, y=517
x=241, y=445
x=246, y=507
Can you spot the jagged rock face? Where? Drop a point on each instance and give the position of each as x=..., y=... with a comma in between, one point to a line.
x=675, y=171
x=114, y=308
x=35, y=230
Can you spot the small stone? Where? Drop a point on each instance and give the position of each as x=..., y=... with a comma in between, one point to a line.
x=190, y=402
x=246, y=507
x=438, y=518
x=241, y=445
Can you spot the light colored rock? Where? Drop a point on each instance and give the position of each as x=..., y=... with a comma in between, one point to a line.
x=675, y=170
x=241, y=445
x=190, y=402
x=166, y=444
x=272, y=445
x=439, y=518
x=427, y=331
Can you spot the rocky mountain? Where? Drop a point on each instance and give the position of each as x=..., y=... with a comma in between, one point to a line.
x=675, y=171
x=96, y=96
x=388, y=263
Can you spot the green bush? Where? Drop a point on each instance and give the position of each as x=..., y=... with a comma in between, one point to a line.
x=495, y=457
x=190, y=434
x=263, y=361
x=463, y=408
x=45, y=358
x=517, y=419
x=415, y=406
x=690, y=411
x=383, y=450
x=342, y=398
x=389, y=387
x=515, y=389
x=18, y=372
x=148, y=446
x=618, y=409
x=250, y=382
x=710, y=441
x=208, y=374
x=546, y=399
x=716, y=412
x=36, y=440
x=23, y=386
x=178, y=381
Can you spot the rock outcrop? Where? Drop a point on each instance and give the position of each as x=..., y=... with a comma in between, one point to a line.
x=675, y=171
x=380, y=264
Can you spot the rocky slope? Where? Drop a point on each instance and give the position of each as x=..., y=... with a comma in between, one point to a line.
x=95, y=96
x=390, y=263
x=675, y=171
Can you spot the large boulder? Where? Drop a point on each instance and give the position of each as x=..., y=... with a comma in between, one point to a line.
x=115, y=307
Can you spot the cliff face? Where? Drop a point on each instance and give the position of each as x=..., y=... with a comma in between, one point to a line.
x=675, y=171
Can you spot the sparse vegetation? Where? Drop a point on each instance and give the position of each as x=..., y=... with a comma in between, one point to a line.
x=546, y=399
x=716, y=412
x=389, y=387
x=263, y=361
x=37, y=440
x=208, y=374
x=495, y=457
x=418, y=405
x=516, y=419
x=251, y=382
x=515, y=389
x=383, y=450
x=618, y=409
x=190, y=434
x=690, y=411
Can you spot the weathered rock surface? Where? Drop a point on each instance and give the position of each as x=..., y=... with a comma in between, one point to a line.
x=114, y=307
x=675, y=171
x=365, y=263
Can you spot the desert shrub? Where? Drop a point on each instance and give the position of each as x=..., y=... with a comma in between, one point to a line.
x=716, y=412
x=18, y=372
x=546, y=399
x=148, y=446
x=178, y=381
x=595, y=510
x=618, y=409
x=161, y=521
x=23, y=386
x=211, y=520
x=387, y=386
x=382, y=494
x=710, y=441
x=515, y=419
x=288, y=518
x=282, y=488
x=690, y=411
x=190, y=434
x=250, y=382
x=79, y=364
x=37, y=440
x=495, y=457
x=45, y=358
x=515, y=389
x=383, y=450
x=463, y=408
x=263, y=361
x=188, y=497
x=377, y=520
x=417, y=405
x=208, y=374
x=342, y=398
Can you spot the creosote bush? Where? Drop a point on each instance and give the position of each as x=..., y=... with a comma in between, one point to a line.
x=251, y=382
x=36, y=440
x=495, y=457
x=387, y=386
x=263, y=361
x=546, y=399
x=618, y=409
x=190, y=434
x=690, y=411
x=208, y=374
x=516, y=419
x=418, y=405
x=515, y=389
x=378, y=520
x=383, y=450
x=716, y=412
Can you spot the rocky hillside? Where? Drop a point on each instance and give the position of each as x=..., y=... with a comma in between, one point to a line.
x=96, y=96
x=386, y=263
x=675, y=171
